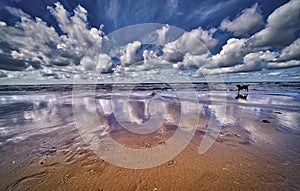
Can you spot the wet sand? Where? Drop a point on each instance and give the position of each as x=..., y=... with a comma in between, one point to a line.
x=251, y=152
x=231, y=164
x=228, y=165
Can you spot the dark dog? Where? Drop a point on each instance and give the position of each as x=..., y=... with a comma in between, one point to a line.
x=242, y=87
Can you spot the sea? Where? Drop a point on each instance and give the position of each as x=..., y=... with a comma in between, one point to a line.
x=31, y=110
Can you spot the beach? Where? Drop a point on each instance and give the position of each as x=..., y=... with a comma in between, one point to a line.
x=55, y=139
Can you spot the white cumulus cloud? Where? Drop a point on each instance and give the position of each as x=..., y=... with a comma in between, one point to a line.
x=162, y=34
x=281, y=27
x=34, y=43
x=195, y=42
x=232, y=53
x=292, y=51
x=129, y=53
x=248, y=21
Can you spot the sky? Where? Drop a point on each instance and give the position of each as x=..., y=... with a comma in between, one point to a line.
x=60, y=41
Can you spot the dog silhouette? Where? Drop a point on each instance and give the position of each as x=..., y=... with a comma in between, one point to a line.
x=242, y=87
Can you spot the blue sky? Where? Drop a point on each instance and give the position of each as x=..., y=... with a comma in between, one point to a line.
x=51, y=41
